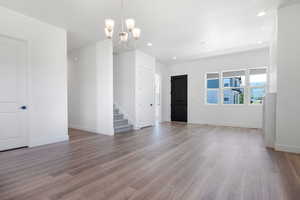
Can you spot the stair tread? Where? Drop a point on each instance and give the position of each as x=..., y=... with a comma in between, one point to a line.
x=120, y=123
x=120, y=120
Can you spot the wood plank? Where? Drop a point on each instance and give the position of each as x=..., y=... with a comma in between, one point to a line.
x=171, y=161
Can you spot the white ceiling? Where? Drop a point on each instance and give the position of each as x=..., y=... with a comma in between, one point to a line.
x=187, y=29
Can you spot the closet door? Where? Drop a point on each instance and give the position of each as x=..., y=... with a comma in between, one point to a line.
x=13, y=125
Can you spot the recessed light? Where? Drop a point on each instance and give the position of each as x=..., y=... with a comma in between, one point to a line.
x=149, y=44
x=259, y=42
x=262, y=13
x=174, y=58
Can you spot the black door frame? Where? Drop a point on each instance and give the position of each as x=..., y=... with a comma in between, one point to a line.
x=186, y=106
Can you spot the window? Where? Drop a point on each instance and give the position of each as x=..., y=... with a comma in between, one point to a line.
x=257, y=85
x=236, y=87
x=233, y=89
x=213, y=86
x=233, y=96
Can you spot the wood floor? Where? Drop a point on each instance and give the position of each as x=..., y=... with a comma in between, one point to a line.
x=170, y=161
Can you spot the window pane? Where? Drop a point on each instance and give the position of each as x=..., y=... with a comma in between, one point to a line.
x=234, y=96
x=258, y=71
x=234, y=81
x=213, y=96
x=257, y=95
x=258, y=80
x=213, y=84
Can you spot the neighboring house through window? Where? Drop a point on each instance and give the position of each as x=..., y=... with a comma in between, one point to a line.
x=257, y=85
x=236, y=86
x=233, y=87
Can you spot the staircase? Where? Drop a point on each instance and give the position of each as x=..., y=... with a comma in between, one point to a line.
x=120, y=124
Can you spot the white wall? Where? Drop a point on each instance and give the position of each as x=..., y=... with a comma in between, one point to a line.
x=273, y=59
x=229, y=115
x=115, y=74
x=82, y=87
x=158, y=100
x=269, y=114
x=269, y=120
x=47, y=75
x=105, y=96
x=91, y=88
x=288, y=95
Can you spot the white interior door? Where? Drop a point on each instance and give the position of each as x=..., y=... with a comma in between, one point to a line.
x=145, y=97
x=12, y=94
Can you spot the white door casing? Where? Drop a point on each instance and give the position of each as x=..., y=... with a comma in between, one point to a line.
x=157, y=98
x=145, y=97
x=13, y=93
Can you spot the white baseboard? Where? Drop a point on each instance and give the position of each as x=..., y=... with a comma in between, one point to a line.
x=221, y=124
x=226, y=124
x=47, y=140
x=88, y=129
x=287, y=148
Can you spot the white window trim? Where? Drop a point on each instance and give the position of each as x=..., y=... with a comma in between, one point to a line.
x=207, y=89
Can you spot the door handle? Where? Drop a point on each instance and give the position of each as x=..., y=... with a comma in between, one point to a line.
x=23, y=107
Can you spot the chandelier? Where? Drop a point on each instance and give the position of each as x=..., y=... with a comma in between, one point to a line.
x=130, y=32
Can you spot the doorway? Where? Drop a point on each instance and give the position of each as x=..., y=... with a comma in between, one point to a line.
x=179, y=100
x=13, y=95
x=157, y=98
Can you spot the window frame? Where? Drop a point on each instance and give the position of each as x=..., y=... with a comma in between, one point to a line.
x=222, y=88
x=251, y=87
x=247, y=87
x=211, y=89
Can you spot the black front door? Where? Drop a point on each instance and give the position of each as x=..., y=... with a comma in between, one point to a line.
x=179, y=98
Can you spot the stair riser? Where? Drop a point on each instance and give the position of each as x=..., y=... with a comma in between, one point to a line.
x=120, y=123
x=121, y=130
x=118, y=117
